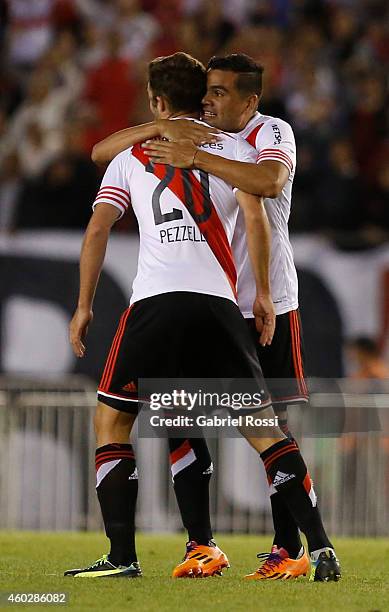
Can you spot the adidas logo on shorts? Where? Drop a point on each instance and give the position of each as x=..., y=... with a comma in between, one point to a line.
x=131, y=387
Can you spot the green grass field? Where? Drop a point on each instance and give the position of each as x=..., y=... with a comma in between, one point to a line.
x=34, y=562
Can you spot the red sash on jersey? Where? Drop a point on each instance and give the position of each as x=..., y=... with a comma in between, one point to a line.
x=212, y=228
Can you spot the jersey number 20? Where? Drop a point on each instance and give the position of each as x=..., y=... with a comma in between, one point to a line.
x=194, y=191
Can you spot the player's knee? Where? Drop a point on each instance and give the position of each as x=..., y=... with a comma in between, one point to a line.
x=260, y=427
x=261, y=444
x=281, y=412
x=111, y=425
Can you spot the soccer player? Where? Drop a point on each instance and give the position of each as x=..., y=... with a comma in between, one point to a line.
x=183, y=320
x=234, y=90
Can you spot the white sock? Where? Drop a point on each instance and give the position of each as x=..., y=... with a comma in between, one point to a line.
x=315, y=553
x=300, y=553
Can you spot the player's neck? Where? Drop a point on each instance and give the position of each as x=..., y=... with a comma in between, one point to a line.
x=243, y=123
x=248, y=119
x=187, y=115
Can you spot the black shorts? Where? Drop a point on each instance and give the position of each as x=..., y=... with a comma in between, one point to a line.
x=178, y=335
x=282, y=362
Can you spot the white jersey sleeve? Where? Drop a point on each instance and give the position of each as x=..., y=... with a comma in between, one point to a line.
x=245, y=152
x=115, y=186
x=275, y=141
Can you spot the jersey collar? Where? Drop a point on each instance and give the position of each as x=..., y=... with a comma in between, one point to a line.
x=253, y=120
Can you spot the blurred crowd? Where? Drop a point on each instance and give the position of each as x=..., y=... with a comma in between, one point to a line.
x=73, y=71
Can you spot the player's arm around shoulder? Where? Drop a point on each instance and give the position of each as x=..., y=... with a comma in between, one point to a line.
x=243, y=172
x=258, y=234
x=106, y=150
x=171, y=130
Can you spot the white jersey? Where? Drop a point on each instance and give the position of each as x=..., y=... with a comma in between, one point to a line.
x=274, y=140
x=186, y=221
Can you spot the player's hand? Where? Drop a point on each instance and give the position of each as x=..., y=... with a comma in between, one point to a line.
x=183, y=129
x=265, y=318
x=78, y=329
x=179, y=154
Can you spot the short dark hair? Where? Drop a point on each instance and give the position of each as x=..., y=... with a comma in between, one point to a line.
x=250, y=72
x=366, y=345
x=181, y=79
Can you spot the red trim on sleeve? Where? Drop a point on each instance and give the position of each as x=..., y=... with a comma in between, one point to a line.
x=252, y=137
x=109, y=200
x=275, y=154
x=107, y=191
x=117, y=188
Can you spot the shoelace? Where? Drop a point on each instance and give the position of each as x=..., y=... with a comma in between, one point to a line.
x=190, y=547
x=271, y=560
x=100, y=561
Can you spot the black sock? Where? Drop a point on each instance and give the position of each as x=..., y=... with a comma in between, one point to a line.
x=117, y=490
x=191, y=467
x=286, y=531
x=288, y=474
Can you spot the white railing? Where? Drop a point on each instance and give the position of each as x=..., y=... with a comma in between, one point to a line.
x=47, y=477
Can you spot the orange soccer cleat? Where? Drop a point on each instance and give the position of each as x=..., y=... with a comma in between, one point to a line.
x=279, y=566
x=201, y=561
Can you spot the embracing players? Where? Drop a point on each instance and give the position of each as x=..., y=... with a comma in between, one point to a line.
x=234, y=88
x=183, y=319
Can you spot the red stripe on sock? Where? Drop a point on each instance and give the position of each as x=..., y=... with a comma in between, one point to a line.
x=112, y=456
x=180, y=452
x=120, y=455
x=116, y=454
x=307, y=482
x=291, y=448
x=108, y=459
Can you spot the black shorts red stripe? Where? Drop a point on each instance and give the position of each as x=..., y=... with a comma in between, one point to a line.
x=178, y=335
x=282, y=362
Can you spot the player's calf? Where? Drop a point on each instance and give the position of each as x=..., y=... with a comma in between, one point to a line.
x=192, y=468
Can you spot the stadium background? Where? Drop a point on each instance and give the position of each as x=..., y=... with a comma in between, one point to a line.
x=73, y=71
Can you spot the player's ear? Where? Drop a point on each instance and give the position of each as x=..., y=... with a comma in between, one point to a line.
x=161, y=104
x=252, y=103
